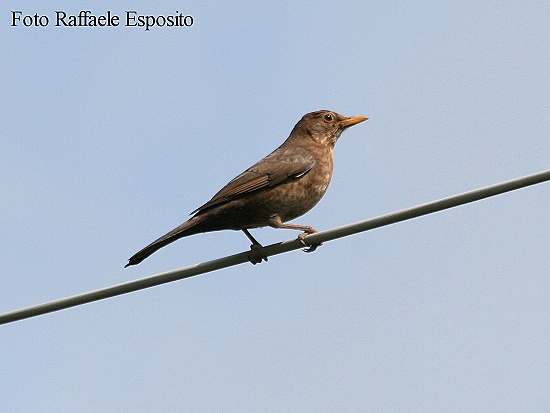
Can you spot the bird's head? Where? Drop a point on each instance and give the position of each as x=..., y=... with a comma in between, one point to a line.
x=325, y=126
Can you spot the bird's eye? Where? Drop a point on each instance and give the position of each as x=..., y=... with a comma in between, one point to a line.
x=328, y=117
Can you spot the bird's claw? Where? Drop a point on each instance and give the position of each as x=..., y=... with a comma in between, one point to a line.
x=310, y=247
x=255, y=255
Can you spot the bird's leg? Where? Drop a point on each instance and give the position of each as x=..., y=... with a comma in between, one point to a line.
x=255, y=243
x=254, y=256
x=276, y=222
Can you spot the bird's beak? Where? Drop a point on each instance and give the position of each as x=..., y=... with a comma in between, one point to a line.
x=354, y=120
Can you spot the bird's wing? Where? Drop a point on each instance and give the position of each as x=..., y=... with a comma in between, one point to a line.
x=278, y=167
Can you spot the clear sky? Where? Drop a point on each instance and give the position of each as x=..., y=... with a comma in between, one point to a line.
x=111, y=136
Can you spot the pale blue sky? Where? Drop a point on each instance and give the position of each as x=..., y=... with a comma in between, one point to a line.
x=112, y=136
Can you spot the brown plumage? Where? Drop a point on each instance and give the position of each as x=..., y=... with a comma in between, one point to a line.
x=284, y=185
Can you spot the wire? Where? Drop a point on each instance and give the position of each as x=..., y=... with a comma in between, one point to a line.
x=275, y=249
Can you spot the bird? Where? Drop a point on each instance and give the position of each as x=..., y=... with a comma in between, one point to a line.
x=284, y=185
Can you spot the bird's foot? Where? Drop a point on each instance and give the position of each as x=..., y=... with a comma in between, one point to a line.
x=310, y=247
x=255, y=255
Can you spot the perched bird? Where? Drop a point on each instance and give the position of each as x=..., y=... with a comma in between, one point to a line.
x=284, y=185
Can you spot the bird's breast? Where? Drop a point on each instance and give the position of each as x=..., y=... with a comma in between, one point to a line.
x=296, y=197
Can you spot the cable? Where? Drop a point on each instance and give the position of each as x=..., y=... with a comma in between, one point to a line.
x=275, y=249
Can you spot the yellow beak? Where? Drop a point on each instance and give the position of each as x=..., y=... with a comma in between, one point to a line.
x=354, y=120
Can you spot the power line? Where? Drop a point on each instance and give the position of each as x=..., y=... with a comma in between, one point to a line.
x=275, y=249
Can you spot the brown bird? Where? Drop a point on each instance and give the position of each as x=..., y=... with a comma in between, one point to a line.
x=284, y=185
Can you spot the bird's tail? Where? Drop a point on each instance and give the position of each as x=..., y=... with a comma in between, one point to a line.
x=187, y=228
